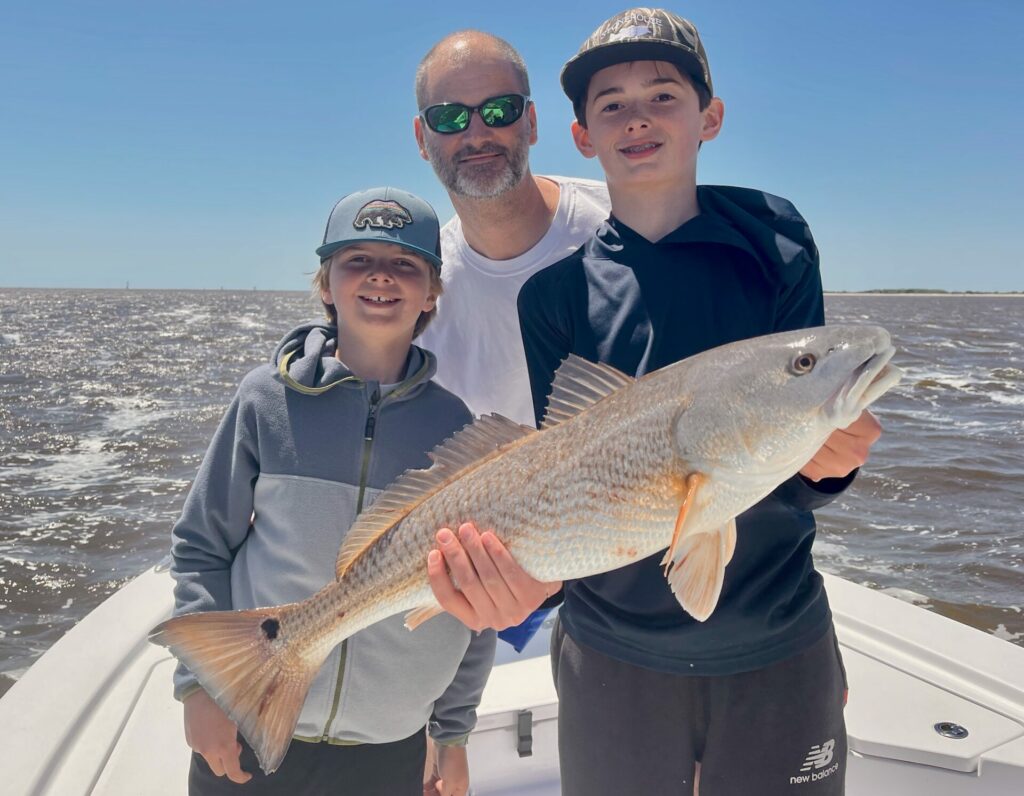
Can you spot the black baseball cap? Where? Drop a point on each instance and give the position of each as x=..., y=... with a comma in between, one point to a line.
x=384, y=215
x=640, y=34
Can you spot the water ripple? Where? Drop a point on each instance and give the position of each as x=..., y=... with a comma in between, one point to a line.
x=109, y=398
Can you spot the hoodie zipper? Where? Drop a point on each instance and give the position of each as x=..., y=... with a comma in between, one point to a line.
x=371, y=425
x=364, y=469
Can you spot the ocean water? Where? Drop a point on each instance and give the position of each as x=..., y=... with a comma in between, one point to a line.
x=108, y=399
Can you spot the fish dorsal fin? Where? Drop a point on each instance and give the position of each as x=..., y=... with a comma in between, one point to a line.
x=478, y=442
x=578, y=385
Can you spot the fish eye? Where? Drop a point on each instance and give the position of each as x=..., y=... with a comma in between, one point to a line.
x=803, y=364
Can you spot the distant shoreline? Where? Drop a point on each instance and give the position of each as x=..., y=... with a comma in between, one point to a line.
x=929, y=293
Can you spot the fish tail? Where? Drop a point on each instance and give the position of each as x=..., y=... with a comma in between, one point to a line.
x=251, y=668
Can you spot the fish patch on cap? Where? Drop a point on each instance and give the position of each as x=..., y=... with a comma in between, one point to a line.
x=382, y=214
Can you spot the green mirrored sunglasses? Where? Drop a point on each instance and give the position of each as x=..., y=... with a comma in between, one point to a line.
x=454, y=117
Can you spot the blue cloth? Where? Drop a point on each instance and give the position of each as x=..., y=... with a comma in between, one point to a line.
x=520, y=635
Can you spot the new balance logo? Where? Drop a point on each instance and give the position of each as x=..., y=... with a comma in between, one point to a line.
x=815, y=762
x=819, y=756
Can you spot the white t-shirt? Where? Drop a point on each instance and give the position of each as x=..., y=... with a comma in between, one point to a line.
x=476, y=334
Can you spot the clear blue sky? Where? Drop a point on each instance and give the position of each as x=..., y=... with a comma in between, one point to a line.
x=202, y=144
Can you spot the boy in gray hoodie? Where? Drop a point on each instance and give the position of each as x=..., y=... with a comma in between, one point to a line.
x=308, y=441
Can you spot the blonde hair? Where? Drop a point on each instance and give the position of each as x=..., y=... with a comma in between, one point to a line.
x=322, y=282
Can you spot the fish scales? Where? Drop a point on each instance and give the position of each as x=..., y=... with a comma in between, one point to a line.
x=552, y=503
x=551, y=510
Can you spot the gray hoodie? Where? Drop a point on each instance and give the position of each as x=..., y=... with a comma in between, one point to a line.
x=304, y=446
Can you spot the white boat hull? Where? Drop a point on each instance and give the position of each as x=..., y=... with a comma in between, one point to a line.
x=95, y=714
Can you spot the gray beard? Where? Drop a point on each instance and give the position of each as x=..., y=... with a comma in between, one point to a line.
x=479, y=186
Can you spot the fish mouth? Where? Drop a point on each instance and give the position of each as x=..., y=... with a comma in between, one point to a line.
x=866, y=384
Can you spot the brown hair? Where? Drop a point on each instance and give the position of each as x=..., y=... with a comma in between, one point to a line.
x=579, y=105
x=322, y=282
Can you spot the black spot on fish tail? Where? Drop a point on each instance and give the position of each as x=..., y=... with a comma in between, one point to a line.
x=270, y=627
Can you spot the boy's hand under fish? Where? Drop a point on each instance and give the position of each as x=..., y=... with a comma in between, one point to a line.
x=494, y=591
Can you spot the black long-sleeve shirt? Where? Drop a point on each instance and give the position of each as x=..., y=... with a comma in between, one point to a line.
x=745, y=266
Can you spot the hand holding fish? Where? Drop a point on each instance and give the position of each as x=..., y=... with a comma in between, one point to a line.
x=493, y=590
x=210, y=732
x=845, y=450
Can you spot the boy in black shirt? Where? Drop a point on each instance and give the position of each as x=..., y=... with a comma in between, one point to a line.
x=649, y=696
x=650, y=700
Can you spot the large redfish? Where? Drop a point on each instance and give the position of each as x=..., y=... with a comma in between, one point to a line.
x=621, y=469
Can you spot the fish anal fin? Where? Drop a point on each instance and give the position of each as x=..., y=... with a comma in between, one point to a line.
x=417, y=617
x=697, y=575
x=578, y=385
x=475, y=444
x=688, y=491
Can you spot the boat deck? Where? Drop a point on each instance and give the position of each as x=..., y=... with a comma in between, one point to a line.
x=95, y=714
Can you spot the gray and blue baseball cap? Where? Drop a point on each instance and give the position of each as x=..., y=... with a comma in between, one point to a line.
x=383, y=215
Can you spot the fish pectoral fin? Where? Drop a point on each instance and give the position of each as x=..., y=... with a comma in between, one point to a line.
x=695, y=562
x=730, y=539
x=250, y=667
x=697, y=574
x=418, y=616
x=692, y=485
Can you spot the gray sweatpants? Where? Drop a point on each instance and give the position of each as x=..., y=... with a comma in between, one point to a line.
x=773, y=732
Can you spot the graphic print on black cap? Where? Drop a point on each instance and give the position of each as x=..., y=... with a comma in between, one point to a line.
x=631, y=25
x=639, y=34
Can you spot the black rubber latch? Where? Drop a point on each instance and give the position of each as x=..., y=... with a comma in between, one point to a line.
x=524, y=731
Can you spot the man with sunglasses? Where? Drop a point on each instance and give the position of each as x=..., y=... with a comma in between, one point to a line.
x=475, y=126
